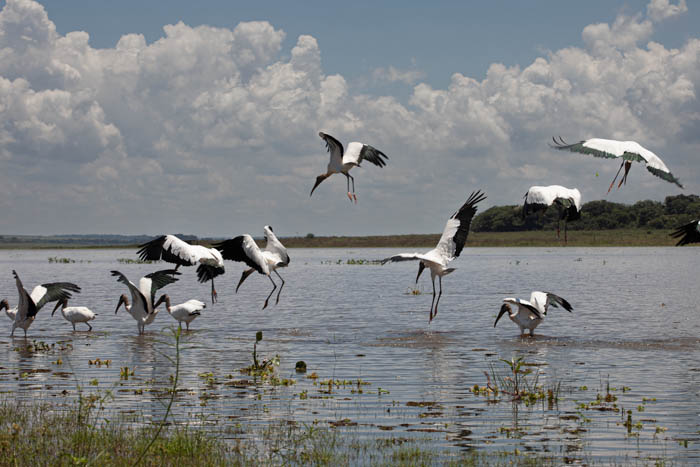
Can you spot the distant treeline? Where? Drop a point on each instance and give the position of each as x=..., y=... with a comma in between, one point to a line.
x=596, y=215
x=84, y=239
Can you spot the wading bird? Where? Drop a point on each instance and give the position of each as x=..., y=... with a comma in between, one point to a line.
x=530, y=314
x=142, y=297
x=74, y=314
x=171, y=249
x=243, y=248
x=448, y=248
x=10, y=312
x=688, y=233
x=567, y=202
x=342, y=161
x=184, y=312
x=629, y=151
x=29, y=305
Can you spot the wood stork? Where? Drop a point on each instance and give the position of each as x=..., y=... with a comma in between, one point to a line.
x=29, y=305
x=629, y=151
x=10, y=312
x=567, y=202
x=184, y=312
x=530, y=314
x=74, y=314
x=243, y=248
x=688, y=233
x=342, y=161
x=171, y=249
x=143, y=296
x=448, y=248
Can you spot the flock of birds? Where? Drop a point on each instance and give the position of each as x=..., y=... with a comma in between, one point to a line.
x=526, y=314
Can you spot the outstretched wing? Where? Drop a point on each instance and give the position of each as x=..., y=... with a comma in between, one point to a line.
x=275, y=247
x=207, y=273
x=545, y=299
x=26, y=308
x=403, y=257
x=243, y=248
x=628, y=150
x=160, y=279
x=45, y=293
x=457, y=228
x=688, y=233
x=171, y=249
x=136, y=294
x=525, y=304
x=334, y=147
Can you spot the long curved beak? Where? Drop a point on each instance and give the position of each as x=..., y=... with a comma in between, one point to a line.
x=505, y=308
x=244, y=276
x=121, y=300
x=319, y=179
x=421, y=266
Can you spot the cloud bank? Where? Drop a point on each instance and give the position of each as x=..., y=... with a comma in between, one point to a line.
x=213, y=131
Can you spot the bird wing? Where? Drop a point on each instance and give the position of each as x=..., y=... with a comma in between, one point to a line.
x=243, y=248
x=171, y=249
x=628, y=150
x=157, y=280
x=457, y=228
x=547, y=195
x=275, y=247
x=688, y=233
x=26, y=307
x=136, y=294
x=544, y=299
x=356, y=152
x=45, y=293
x=405, y=257
x=206, y=272
x=334, y=147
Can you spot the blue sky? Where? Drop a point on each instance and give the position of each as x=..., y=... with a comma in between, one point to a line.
x=168, y=113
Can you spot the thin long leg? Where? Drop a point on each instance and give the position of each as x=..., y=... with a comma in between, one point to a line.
x=433, y=302
x=623, y=181
x=274, y=286
x=438, y=297
x=565, y=224
x=354, y=196
x=214, y=295
x=188, y=325
x=618, y=173
x=347, y=178
x=89, y=327
x=73, y=326
x=558, y=230
x=280, y=291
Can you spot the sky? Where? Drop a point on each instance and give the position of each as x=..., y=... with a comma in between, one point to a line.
x=203, y=117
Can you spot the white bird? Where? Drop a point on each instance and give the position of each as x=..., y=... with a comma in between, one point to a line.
x=29, y=305
x=143, y=296
x=184, y=312
x=75, y=314
x=531, y=314
x=10, y=312
x=628, y=150
x=243, y=248
x=342, y=161
x=688, y=233
x=448, y=248
x=567, y=202
x=171, y=249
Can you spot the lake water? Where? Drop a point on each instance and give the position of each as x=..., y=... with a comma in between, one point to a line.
x=635, y=329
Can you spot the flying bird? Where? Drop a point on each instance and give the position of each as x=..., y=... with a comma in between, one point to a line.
x=10, y=312
x=688, y=233
x=171, y=249
x=629, y=151
x=342, y=161
x=142, y=297
x=74, y=314
x=567, y=202
x=243, y=248
x=448, y=248
x=29, y=305
x=184, y=312
x=530, y=314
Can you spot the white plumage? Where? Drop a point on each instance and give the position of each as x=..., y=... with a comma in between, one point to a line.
x=143, y=296
x=75, y=314
x=171, y=249
x=566, y=200
x=243, y=248
x=629, y=151
x=29, y=305
x=448, y=248
x=184, y=312
x=531, y=314
x=341, y=161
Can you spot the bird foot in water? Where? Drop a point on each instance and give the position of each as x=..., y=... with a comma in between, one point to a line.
x=350, y=196
x=354, y=197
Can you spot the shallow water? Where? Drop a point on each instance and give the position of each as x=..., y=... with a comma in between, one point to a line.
x=635, y=327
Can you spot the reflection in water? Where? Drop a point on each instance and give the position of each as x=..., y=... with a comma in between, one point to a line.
x=634, y=332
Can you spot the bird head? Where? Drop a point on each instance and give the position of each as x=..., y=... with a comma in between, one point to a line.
x=421, y=266
x=123, y=299
x=504, y=308
x=163, y=298
x=319, y=179
x=62, y=302
x=4, y=305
